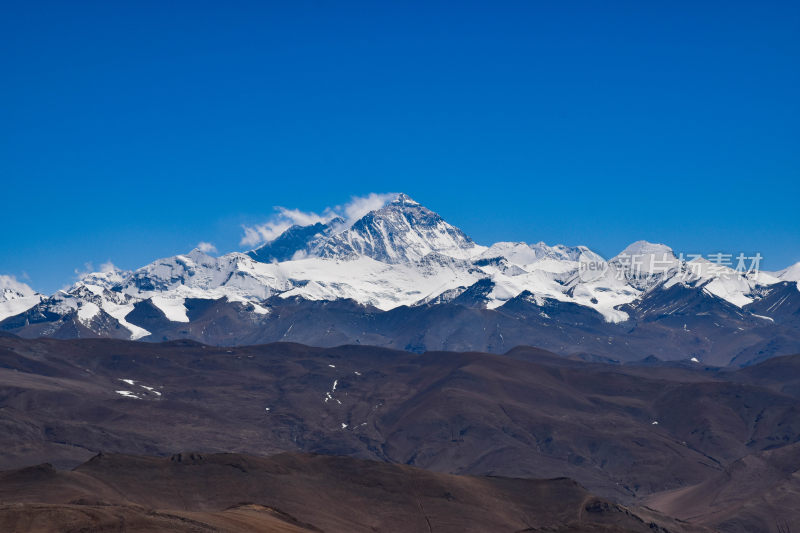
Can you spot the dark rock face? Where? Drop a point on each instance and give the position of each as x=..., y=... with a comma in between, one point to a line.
x=147, y=316
x=780, y=302
x=293, y=240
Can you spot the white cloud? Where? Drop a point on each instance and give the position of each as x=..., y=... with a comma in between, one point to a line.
x=11, y=283
x=106, y=274
x=361, y=205
x=88, y=268
x=357, y=207
x=302, y=218
x=206, y=247
x=108, y=267
x=268, y=231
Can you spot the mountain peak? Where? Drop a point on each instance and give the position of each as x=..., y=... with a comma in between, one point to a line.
x=404, y=199
x=403, y=231
x=791, y=273
x=400, y=231
x=644, y=263
x=643, y=247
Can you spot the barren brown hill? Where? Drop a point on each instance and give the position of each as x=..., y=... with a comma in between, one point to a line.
x=759, y=492
x=623, y=431
x=298, y=492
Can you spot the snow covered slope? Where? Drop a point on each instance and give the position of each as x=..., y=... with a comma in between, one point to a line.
x=16, y=297
x=791, y=273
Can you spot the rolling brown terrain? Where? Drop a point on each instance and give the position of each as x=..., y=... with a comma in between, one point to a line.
x=759, y=492
x=298, y=492
x=634, y=434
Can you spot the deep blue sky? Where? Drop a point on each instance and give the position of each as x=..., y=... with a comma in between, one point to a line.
x=132, y=131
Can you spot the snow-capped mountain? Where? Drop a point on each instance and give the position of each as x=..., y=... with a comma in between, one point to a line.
x=400, y=258
x=791, y=273
x=401, y=232
x=16, y=297
x=644, y=264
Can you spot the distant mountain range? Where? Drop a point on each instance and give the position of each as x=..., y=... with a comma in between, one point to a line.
x=402, y=277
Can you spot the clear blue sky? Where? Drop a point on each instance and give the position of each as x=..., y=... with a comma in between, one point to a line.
x=131, y=131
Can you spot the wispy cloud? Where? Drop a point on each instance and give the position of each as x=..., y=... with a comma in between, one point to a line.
x=13, y=284
x=206, y=247
x=268, y=231
x=302, y=218
x=284, y=218
x=108, y=267
x=358, y=206
x=88, y=268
